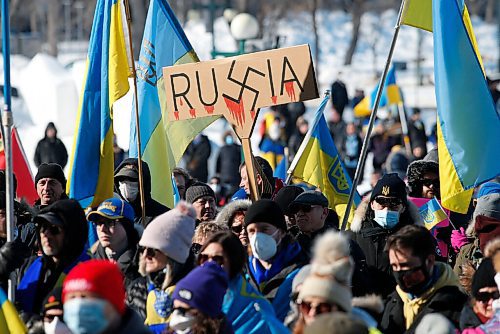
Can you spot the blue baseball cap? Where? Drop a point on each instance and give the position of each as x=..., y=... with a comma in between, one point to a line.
x=113, y=208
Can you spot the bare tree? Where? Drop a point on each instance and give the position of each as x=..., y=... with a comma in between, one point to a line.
x=314, y=10
x=52, y=23
x=356, y=9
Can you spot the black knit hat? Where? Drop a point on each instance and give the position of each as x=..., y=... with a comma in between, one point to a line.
x=266, y=211
x=483, y=277
x=286, y=195
x=390, y=185
x=197, y=190
x=51, y=170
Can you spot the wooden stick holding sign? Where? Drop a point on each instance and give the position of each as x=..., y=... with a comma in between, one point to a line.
x=237, y=87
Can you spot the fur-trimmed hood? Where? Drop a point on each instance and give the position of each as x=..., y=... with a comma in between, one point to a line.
x=227, y=213
x=371, y=303
x=362, y=209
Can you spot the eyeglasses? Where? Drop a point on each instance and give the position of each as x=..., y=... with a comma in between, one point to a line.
x=429, y=182
x=388, y=202
x=306, y=208
x=52, y=229
x=485, y=297
x=150, y=252
x=182, y=310
x=319, y=308
x=219, y=259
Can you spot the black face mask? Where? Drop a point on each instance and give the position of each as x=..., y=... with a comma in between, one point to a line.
x=413, y=280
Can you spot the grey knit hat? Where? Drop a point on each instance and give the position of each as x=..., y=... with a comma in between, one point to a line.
x=197, y=190
x=172, y=232
x=489, y=206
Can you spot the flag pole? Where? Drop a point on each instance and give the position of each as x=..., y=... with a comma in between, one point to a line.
x=303, y=145
x=7, y=122
x=366, y=140
x=404, y=128
x=136, y=105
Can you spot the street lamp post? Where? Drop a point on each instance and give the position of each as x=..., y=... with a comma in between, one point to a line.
x=243, y=27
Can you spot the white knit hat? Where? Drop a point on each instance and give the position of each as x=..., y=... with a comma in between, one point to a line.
x=327, y=288
x=172, y=232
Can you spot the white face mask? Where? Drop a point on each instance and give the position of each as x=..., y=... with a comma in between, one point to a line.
x=497, y=280
x=56, y=326
x=129, y=190
x=263, y=245
x=215, y=187
x=181, y=323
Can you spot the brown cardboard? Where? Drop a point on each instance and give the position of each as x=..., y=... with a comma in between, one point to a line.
x=237, y=87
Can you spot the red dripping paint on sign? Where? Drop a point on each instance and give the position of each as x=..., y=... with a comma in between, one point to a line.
x=290, y=90
x=252, y=113
x=236, y=110
x=192, y=112
x=274, y=99
x=180, y=101
x=209, y=109
x=176, y=115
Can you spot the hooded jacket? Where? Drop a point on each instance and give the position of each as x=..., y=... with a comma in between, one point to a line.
x=153, y=208
x=41, y=274
x=227, y=213
x=51, y=150
x=371, y=237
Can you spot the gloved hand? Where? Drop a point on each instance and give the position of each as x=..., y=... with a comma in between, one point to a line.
x=458, y=239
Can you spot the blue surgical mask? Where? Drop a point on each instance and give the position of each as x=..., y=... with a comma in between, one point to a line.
x=229, y=140
x=386, y=218
x=85, y=315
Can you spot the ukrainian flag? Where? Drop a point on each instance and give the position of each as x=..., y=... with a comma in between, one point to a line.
x=390, y=95
x=318, y=163
x=90, y=178
x=10, y=322
x=432, y=213
x=162, y=142
x=468, y=124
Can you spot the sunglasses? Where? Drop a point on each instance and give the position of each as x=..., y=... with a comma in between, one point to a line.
x=485, y=297
x=219, y=259
x=237, y=228
x=51, y=317
x=306, y=208
x=319, y=308
x=108, y=223
x=52, y=229
x=388, y=202
x=150, y=252
x=429, y=182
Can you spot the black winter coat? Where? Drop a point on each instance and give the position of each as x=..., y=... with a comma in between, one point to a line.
x=196, y=157
x=372, y=239
x=469, y=319
x=51, y=150
x=228, y=163
x=447, y=301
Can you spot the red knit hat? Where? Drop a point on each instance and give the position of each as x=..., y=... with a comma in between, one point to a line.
x=101, y=277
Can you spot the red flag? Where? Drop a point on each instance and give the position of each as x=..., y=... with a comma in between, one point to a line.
x=25, y=182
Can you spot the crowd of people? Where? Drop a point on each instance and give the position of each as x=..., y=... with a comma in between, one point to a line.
x=224, y=264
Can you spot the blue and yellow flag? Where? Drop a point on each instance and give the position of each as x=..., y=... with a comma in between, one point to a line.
x=390, y=96
x=90, y=178
x=10, y=322
x=468, y=124
x=432, y=214
x=318, y=163
x=162, y=142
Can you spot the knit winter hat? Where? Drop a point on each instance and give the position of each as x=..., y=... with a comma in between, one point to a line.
x=327, y=288
x=51, y=170
x=489, y=206
x=53, y=301
x=101, y=277
x=287, y=195
x=488, y=188
x=483, y=277
x=435, y=323
x=390, y=185
x=266, y=211
x=203, y=289
x=197, y=190
x=171, y=232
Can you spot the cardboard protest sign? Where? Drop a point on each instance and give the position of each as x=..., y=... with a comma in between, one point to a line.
x=237, y=87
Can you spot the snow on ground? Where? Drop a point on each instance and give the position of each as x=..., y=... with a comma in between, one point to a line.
x=50, y=87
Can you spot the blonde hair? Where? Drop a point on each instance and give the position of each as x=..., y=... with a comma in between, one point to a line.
x=205, y=230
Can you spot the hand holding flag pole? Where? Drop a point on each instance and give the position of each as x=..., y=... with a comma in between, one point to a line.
x=366, y=141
